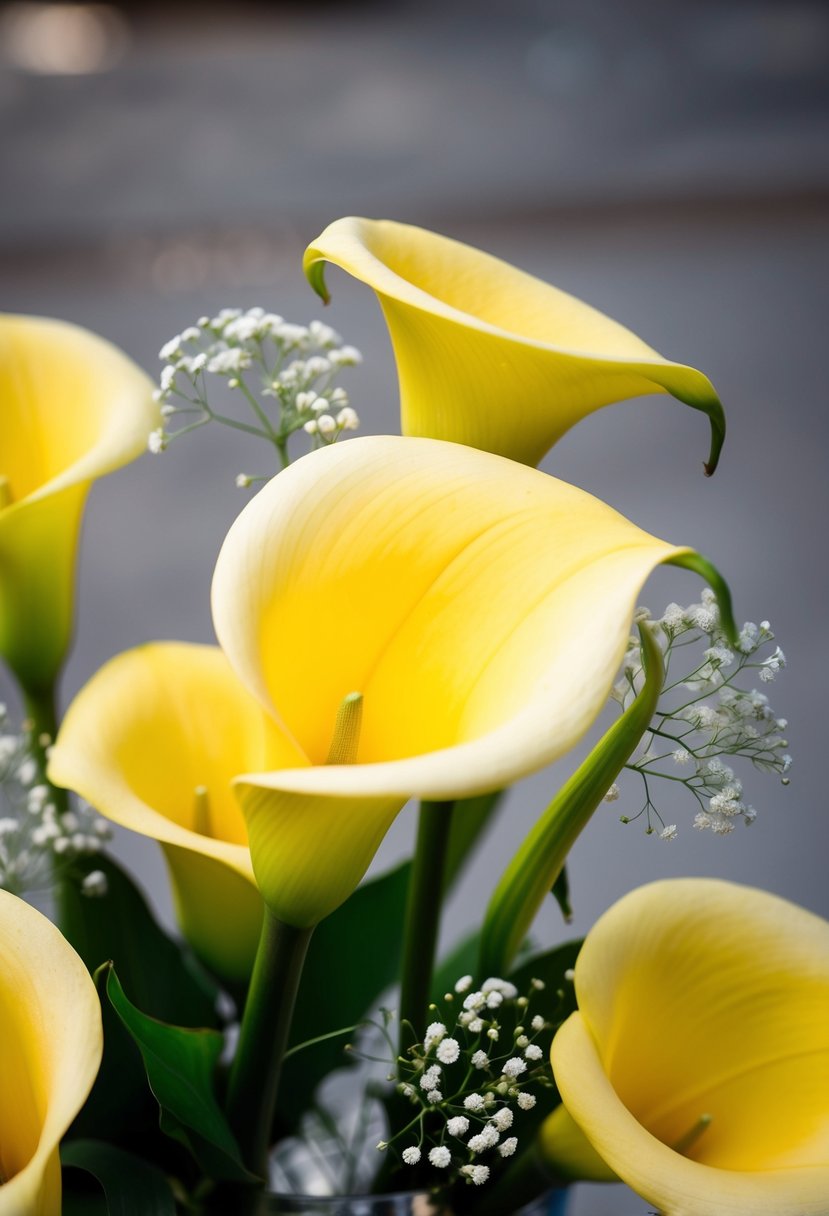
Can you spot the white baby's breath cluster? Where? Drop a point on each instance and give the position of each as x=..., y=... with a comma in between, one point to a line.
x=37, y=839
x=283, y=372
x=479, y=1067
x=706, y=716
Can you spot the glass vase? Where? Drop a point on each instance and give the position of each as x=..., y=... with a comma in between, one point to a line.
x=406, y=1203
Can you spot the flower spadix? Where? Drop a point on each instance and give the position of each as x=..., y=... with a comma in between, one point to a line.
x=154, y=741
x=50, y=1050
x=72, y=407
x=479, y=607
x=697, y=1065
x=490, y=356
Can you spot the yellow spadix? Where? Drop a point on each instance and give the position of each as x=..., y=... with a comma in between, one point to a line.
x=50, y=1050
x=72, y=407
x=480, y=607
x=697, y=1065
x=153, y=742
x=490, y=356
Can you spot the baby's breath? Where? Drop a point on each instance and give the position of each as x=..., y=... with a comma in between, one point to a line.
x=706, y=716
x=38, y=840
x=284, y=372
x=471, y=1078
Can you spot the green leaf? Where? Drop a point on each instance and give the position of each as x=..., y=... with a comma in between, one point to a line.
x=471, y=817
x=164, y=979
x=162, y=974
x=131, y=1187
x=353, y=957
x=560, y=892
x=181, y=1065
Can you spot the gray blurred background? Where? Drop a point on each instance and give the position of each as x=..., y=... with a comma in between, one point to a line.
x=665, y=160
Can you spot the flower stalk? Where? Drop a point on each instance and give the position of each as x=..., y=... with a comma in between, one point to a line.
x=263, y=1037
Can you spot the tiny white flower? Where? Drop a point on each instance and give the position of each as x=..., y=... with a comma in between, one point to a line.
x=508, y=1147
x=475, y=1026
x=526, y=1101
x=477, y=1174
x=94, y=883
x=612, y=794
x=170, y=349
x=473, y=1102
x=492, y=1033
x=326, y=424
x=503, y=1119
x=533, y=1052
x=681, y=756
x=440, y=1157
x=411, y=1155
x=475, y=1000
x=458, y=1125
x=538, y=1022
x=669, y=832
x=434, y=1096
x=463, y=984
x=435, y=1031
x=448, y=1051
x=348, y=419
x=157, y=441
x=480, y=1059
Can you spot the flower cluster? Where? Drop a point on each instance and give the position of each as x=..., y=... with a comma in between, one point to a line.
x=705, y=716
x=37, y=838
x=470, y=1084
x=296, y=366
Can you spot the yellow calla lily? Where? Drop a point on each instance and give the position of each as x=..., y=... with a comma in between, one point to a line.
x=50, y=1051
x=72, y=407
x=479, y=607
x=490, y=356
x=697, y=1065
x=153, y=742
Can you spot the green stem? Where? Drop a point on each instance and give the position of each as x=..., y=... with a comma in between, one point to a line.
x=422, y=923
x=538, y=862
x=263, y=1037
x=41, y=712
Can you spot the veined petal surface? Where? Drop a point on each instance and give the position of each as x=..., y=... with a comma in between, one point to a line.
x=154, y=741
x=481, y=608
x=50, y=1050
x=72, y=408
x=490, y=356
x=703, y=1002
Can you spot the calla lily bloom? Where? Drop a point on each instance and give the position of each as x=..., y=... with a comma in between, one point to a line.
x=153, y=742
x=490, y=356
x=72, y=407
x=50, y=1050
x=697, y=1065
x=479, y=608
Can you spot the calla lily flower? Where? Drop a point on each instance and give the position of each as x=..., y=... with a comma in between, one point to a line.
x=490, y=356
x=153, y=742
x=50, y=1050
x=697, y=1065
x=72, y=407
x=479, y=609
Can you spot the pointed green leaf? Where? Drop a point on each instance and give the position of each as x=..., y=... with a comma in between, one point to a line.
x=537, y=864
x=181, y=1064
x=131, y=1186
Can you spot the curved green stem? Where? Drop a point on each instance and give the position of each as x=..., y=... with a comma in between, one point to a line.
x=263, y=1037
x=420, y=931
x=538, y=862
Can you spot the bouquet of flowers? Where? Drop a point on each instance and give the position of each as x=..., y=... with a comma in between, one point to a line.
x=418, y=616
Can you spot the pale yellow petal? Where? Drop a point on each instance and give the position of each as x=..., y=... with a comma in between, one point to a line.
x=154, y=741
x=481, y=608
x=490, y=356
x=72, y=408
x=703, y=1000
x=310, y=851
x=50, y=1050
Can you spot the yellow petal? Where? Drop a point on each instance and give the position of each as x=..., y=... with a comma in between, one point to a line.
x=72, y=408
x=153, y=742
x=480, y=607
x=50, y=1050
x=704, y=1002
x=490, y=356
